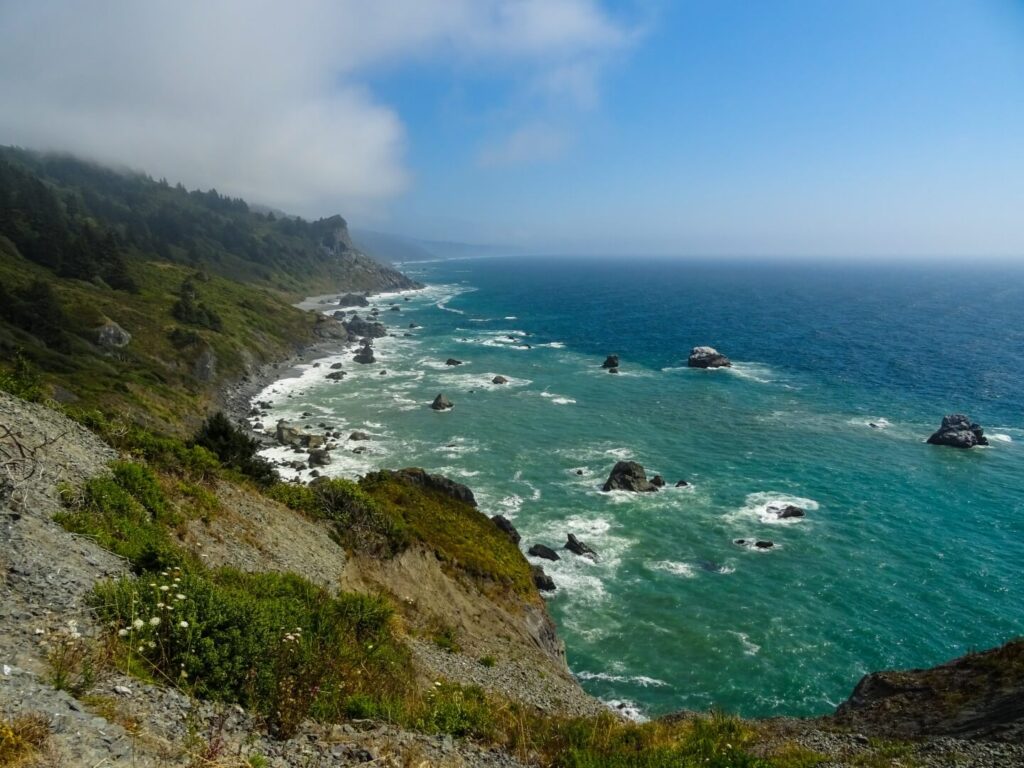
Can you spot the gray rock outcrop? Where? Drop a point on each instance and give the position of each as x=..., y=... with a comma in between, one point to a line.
x=441, y=403
x=628, y=476
x=958, y=431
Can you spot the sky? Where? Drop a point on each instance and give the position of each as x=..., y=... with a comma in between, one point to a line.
x=821, y=128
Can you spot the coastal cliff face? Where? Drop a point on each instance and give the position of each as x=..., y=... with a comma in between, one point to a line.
x=978, y=696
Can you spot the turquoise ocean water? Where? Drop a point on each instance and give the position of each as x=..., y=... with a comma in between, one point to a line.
x=909, y=554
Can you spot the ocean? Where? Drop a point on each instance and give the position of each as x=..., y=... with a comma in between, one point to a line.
x=909, y=554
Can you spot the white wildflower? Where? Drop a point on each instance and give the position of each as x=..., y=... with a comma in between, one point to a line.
x=179, y=596
x=165, y=588
x=138, y=623
x=155, y=621
x=122, y=632
x=183, y=624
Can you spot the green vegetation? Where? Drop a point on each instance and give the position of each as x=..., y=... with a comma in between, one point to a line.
x=272, y=642
x=203, y=284
x=22, y=380
x=126, y=512
x=460, y=535
x=360, y=523
x=235, y=449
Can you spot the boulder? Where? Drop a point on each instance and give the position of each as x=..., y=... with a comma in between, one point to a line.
x=681, y=484
x=112, y=336
x=361, y=328
x=762, y=544
x=506, y=526
x=441, y=403
x=499, y=380
x=336, y=366
x=383, y=372
x=613, y=369
x=396, y=308
x=336, y=375
x=319, y=457
x=365, y=355
x=612, y=361
x=577, y=547
x=413, y=326
x=357, y=435
x=541, y=580
x=290, y=433
x=785, y=511
x=958, y=431
x=539, y=550
x=707, y=357
x=353, y=300
x=658, y=481
x=452, y=361
x=628, y=476
x=330, y=328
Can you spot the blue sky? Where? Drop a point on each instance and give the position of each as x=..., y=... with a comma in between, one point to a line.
x=748, y=127
x=703, y=127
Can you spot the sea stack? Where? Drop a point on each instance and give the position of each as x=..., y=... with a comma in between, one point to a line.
x=958, y=431
x=442, y=403
x=612, y=361
x=707, y=357
x=628, y=476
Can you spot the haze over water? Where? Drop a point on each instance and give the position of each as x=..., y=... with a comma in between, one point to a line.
x=909, y=554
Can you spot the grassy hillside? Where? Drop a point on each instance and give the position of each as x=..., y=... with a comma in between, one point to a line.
x=202, y=284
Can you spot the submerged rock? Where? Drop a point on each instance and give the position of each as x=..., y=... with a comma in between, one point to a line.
x=577, y=547
x=539, y=550
x=442, y=403
x=628, y=476
x=499, y=380
x=357, y=435
x=681, y=483
x=452, y=361
x=541, y=580
x=613, y=369
x=612, y=361
x=707, y=357
x=336, y=375
x=336, y=366
x=958, y=431
x=507, y=528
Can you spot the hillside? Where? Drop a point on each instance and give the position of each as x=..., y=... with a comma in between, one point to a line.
x=131, y=294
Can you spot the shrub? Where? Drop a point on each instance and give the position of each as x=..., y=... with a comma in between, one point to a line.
x=22, y=737
x=456, y=710
x=362, y=524
x=22, y=380
x=235, y=449
x=126, y=513
x=272, y=642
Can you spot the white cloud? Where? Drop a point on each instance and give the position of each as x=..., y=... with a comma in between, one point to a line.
x=265, y=99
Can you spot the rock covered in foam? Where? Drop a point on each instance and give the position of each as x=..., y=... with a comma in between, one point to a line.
x=958, y=431
x=707, y=357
